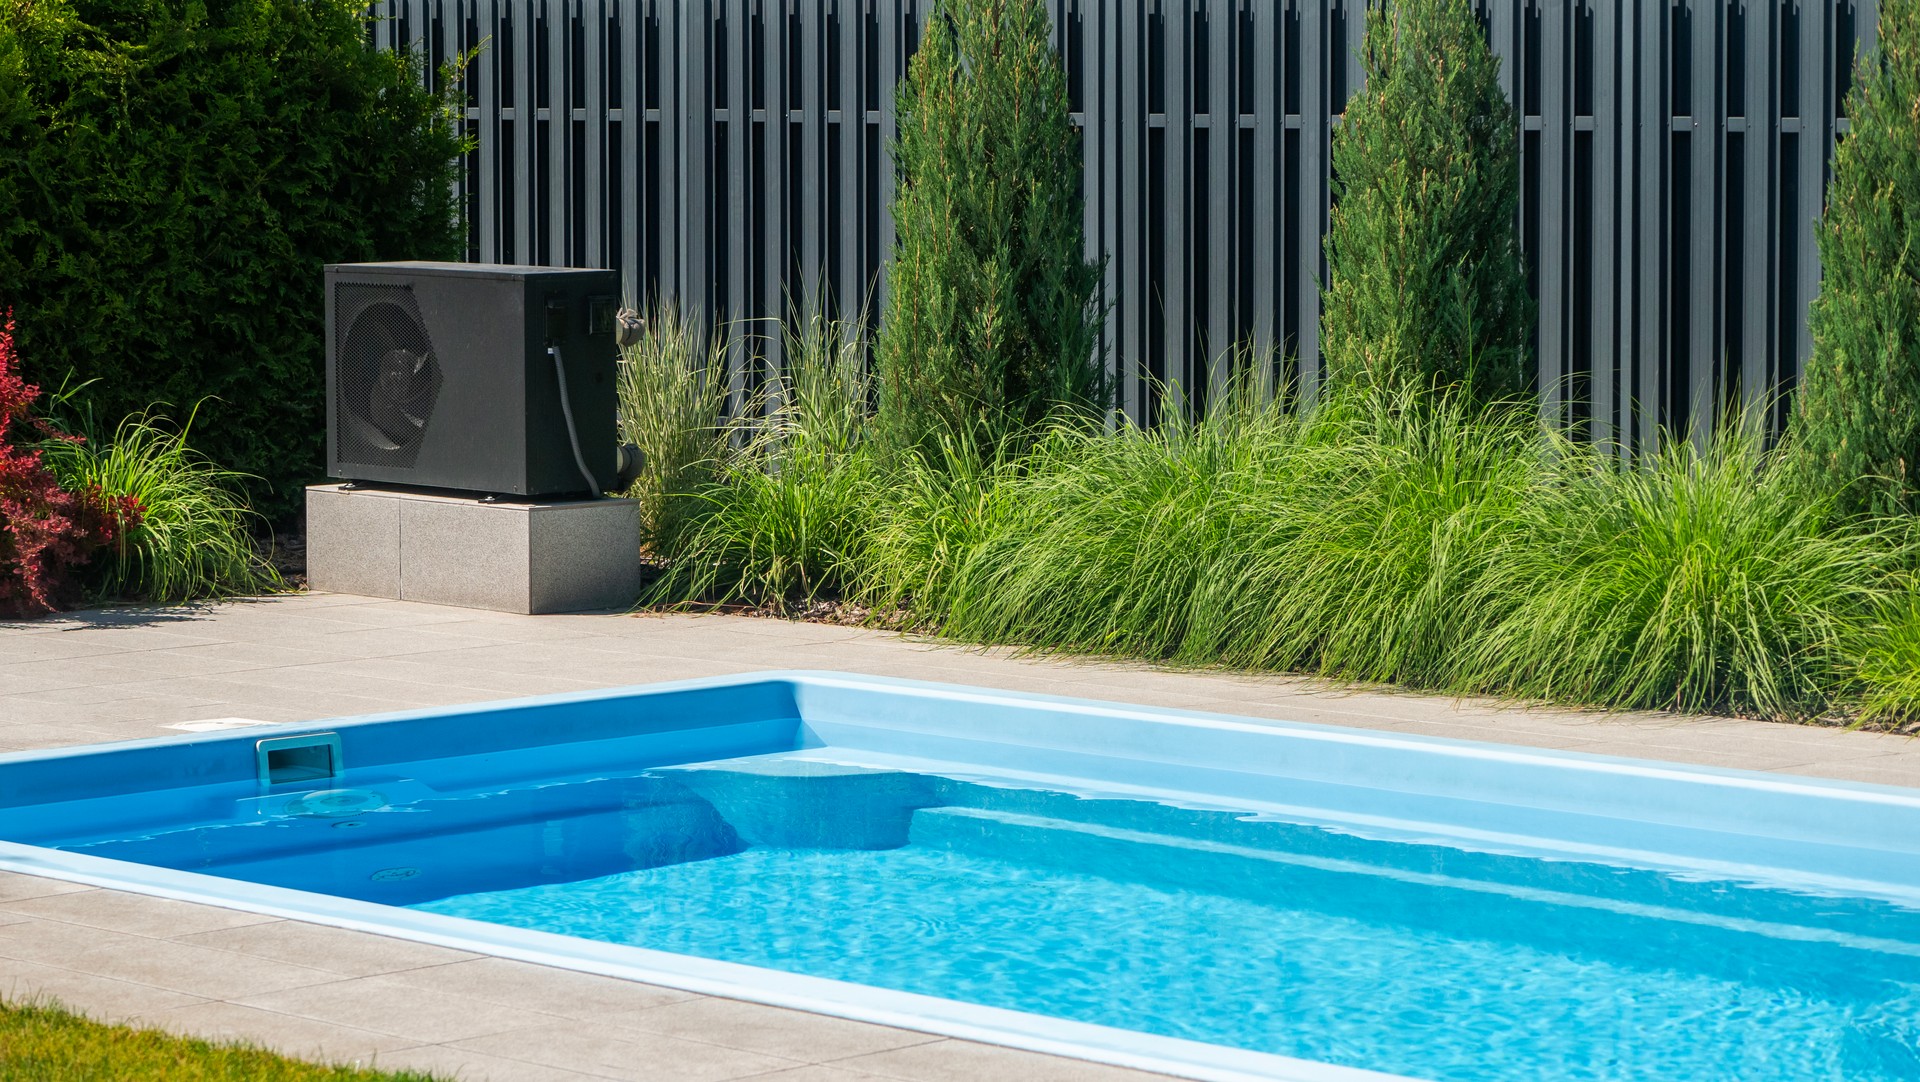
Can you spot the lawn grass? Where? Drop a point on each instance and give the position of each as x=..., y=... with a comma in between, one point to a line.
x=41, y=1042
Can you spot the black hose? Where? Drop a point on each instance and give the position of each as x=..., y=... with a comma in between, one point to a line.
x=566, y=410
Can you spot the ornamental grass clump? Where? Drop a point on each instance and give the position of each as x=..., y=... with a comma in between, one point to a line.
x=1703, y=581
x=1425, y=284
x=990, y=321
x=1886, y=662
x=194, y=536
x=1855, y=433
x=781, y=524
x=673, y=400
x=1332, y=541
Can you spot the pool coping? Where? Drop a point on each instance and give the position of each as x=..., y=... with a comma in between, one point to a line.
x=817, y=995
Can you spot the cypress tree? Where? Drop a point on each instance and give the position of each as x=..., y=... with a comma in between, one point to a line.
x=990, y=320
x=1855, y=430
x=1426, y=284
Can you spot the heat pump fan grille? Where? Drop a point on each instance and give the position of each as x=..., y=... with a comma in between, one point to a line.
x=388, y=377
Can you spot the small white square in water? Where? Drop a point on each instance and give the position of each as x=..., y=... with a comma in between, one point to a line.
x=213, y=725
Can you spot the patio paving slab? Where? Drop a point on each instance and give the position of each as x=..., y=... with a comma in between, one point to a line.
x=358, y=997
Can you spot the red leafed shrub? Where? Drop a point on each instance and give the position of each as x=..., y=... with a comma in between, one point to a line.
x=45, y=531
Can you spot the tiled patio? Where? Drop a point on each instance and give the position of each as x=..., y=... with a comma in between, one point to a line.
x=349, y=996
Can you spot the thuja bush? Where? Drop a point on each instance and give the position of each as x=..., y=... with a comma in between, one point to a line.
x=1855, y=431
x=47, y=532
x=1425, y=282
x=990, y=321
x=172, y=177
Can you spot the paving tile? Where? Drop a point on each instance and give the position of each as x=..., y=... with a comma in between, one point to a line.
x=555, y=991
x=289, y=1035
x=134, y=914
x=182, y=967
x=965, y=1061
x=15, y=886
x=27, y=677
x=816, y=1072
x=457, y=1064
x=772, y=1030
x=386, y=1005
x=1904, y=772
x=101, y=998
x=18, y=648
x=336, y=950
x=640, y=1057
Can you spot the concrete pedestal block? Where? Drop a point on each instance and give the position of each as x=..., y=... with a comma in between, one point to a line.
x=455, y=550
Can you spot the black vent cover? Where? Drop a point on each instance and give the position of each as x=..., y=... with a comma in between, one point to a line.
x=389, y=377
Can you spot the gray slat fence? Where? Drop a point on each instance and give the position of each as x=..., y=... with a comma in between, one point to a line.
x=732, y=155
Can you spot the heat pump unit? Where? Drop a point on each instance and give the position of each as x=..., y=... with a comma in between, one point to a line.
x=473, y=377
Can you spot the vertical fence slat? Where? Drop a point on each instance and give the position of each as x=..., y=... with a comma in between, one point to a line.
x=486, y=208
x=593, y=27
x=1814, y=138
x=736, y=225
x=1703, y=147
x=1131, y=178
x=525, y=124
x=776, y=252
x=1604, y=146
x=1268, y=125
x=890, y=19
x=812, y=120
x=1312, y=208
x=633, y=122
x=1176, y=236
x=1651, y=177
x=1622, y=134
x=557, y=192
x=695, y=87
x=1106, y=136
x=849, y=286
x=1555, y=181
x=1223, y=136
x=1758, y=349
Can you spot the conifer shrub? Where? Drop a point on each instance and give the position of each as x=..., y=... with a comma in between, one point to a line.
x=990, y=321
x=172, y=178
x=1426, y=286
x=1855, y=430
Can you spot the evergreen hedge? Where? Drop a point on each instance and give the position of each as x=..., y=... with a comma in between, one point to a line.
x=173, y=175
x=990, y=319
x=1856, y=424
x=1425, y=280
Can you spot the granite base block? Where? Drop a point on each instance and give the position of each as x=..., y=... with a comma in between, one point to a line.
x=455, y=550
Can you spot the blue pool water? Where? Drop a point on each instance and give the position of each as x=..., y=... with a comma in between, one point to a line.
x=1419, y=954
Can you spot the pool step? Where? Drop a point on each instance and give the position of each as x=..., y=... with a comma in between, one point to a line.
x=1641, y=934
x=413, y=851
x=786, y=803
x=1728, y=894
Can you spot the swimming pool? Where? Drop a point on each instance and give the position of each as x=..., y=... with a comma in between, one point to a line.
x=1217, y=897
